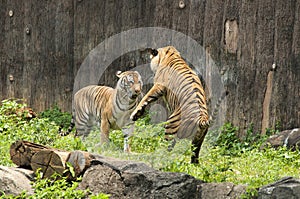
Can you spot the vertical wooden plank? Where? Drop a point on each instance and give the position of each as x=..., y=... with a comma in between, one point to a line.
x=196, y=20
x=146, y=13
x=295, y=69
x=48, y=53
x=64, y=53
x=212, y=36
x=89, y=31
x=195, y=31
x=129, y=18
x=113, y=25
x=296, y=32
x=244, y=70
x=3, y=67
x=180, y=21
x=40, y=20
x=34, y=68
x=285, y=100
x=146, y=19
x=213, y=27
x=13, y=48
x=163, y=13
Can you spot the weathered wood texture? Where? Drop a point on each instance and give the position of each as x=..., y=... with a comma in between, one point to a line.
x=43, y=44
x=49, y=160
x=21, y=152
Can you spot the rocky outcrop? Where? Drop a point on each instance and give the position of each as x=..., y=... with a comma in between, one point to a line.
x=126, y=179
x=226, y=190
x=288, y=138
x=287, y=187
x=129, y=179
x=15, y=180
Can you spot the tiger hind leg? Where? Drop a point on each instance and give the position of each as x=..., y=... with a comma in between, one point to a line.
x=172, y=127
x=196, y=145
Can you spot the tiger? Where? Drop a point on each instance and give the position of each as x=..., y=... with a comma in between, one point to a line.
x=109, y=106
x=181, y=89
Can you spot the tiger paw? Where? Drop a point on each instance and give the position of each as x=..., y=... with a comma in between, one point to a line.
x=136, y=114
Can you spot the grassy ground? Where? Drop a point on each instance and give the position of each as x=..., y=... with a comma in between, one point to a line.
x=223, y=159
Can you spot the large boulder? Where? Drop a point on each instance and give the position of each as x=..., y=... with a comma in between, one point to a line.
x=288, y=138
x=126, y=179
x=15, y=180
x=225, y=190
x=287, y=187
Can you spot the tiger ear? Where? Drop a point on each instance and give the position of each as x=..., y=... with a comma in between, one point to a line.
x=118, y=73
x=154, y=52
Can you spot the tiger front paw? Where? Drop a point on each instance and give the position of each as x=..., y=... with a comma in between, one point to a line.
x=136, y=114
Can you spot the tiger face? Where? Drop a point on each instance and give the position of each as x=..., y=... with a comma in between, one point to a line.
x=130, y=82
x=160, y=55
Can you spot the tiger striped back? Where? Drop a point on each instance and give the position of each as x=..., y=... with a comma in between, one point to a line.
x=111, y=107
x=90, y=105
x=183, y=92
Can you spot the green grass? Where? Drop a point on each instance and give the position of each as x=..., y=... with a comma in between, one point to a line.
x=227, y=159
x=41, y=130
x=223, y=157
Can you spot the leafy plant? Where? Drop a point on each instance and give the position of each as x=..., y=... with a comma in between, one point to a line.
x=15, y=127
x=55, y=114
x=226, y=159
x=233, y=145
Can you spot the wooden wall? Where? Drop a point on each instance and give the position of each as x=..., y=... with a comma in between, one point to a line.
x=44, y=42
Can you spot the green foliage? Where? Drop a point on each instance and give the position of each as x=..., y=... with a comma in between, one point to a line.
x=228, y=138
x=147, y=136
x=41, y=130
x=56, y=187
x=226, y=159
x=55, y=115
x=231, y=144
x=15, y=127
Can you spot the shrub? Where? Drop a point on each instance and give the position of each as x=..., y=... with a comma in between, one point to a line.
x=227, y=159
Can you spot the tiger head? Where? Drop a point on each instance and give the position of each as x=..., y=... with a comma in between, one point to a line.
x=161, y=57
x=130, y=82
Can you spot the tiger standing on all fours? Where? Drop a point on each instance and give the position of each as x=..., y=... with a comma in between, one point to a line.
x=112, y=107
x=182, y=90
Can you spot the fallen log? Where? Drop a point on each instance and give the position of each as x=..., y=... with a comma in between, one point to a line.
x=49, y=160
x=22, y=151
x=81, y=161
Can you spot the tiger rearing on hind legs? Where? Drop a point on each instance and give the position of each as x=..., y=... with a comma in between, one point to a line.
x=183, y=92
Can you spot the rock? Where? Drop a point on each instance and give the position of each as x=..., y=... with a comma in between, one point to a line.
x=126, y=179
x=287, y=187
x=226, y=190
x=15, y=180
x=288, y=138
